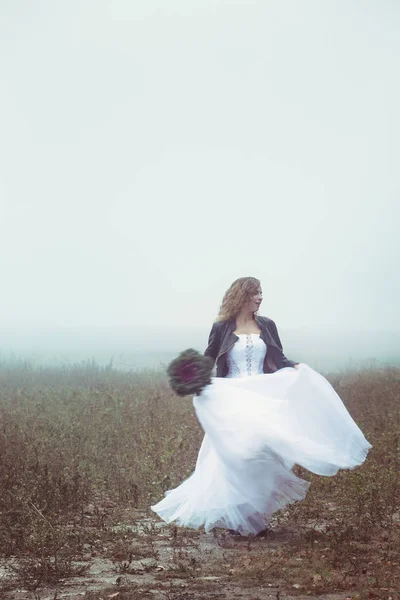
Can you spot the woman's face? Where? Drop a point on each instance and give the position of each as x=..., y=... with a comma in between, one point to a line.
x=255, y=300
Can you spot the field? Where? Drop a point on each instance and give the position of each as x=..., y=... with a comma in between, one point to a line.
x=85, y=450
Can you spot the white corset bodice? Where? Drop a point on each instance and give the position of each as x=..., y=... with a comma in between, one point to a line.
x=246, y=357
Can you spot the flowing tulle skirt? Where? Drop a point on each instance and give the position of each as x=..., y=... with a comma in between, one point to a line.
x=256, y=429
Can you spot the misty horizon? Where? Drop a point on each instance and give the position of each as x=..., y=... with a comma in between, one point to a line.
x=134, y=348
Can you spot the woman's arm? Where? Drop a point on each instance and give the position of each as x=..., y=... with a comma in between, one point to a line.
x=213, y=343
x=275, y=335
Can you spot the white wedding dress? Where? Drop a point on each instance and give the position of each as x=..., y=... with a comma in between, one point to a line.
x=257, y=426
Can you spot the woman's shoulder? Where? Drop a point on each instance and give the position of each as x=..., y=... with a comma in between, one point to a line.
x=217, y=325
x=265, y=320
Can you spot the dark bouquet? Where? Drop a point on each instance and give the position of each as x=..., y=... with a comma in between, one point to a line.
x=190, y=372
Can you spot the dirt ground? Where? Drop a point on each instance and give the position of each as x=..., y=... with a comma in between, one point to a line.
x=150, y=559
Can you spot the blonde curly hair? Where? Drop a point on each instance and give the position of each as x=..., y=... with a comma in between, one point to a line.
x=238, y=294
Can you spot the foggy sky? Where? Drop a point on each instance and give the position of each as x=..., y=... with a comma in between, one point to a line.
x=153, y=151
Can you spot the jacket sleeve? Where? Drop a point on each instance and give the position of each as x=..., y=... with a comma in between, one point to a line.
x=275, y=335
x=213, y=343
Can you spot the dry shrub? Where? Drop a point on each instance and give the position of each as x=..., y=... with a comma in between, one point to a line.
x=70, y=437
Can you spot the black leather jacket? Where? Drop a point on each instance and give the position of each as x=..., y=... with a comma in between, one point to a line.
x=222, y=339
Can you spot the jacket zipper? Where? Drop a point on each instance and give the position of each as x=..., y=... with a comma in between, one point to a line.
x=225, y=351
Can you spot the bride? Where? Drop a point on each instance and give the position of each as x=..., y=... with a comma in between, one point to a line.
x=261, y=415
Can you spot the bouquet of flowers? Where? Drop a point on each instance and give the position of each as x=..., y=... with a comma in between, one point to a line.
x=190, y=372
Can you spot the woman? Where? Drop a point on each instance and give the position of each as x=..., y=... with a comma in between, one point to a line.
x=261, y=414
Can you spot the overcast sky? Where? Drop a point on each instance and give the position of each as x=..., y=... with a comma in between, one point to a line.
x=153, y=151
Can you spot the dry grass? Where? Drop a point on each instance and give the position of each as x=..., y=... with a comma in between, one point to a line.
x=80, y=445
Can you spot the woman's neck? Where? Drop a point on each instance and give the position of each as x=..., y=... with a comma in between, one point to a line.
x=244, y=318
